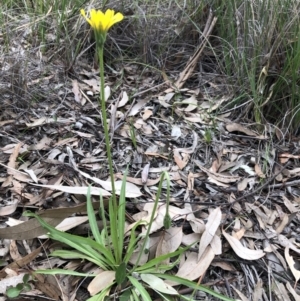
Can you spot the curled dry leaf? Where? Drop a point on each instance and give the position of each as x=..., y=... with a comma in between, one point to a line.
x=213, y=222
x=235, y=127
x=124, y=100
x=9, y=209
x=145, y=173
x=217, y=176
x=138, y=106
x=292, y=291
x=182, y=160
x=291, y=263
x=191, y=102
x=242, y=251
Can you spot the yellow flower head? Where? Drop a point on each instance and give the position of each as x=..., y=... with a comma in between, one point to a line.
x=102, y=22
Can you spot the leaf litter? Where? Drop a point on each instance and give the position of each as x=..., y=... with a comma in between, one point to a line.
x=235, y=198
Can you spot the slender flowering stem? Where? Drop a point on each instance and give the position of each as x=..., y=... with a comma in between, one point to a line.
x=104, y=118
x=101, y=22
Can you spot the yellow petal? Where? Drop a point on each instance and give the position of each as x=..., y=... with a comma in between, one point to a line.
x=102, y=21
x=118, y=17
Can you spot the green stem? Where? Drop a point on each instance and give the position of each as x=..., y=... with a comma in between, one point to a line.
x=104, y=120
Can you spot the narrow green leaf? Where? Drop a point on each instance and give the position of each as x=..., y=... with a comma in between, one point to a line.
x=158, y=285
x=193, y=285
x=69, y=254
x=121, y=273
x=63, y=272
x=121, y=214
x=167, y=218
x=101, y=296
x=92, y=218
x=134, y=296
x=126, y=295
x=163, y=175
x=104, y=232
x=132, y=242
x=156, y=261
x=145, y=295
x=114, y=231
x=82, y=244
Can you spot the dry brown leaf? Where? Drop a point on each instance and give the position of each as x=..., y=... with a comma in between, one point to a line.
x=291, y=264
x=43, y=144
x=291, y=207
x=170, y=241
x=188, y=239
x=101, y=281
x=216, y=245
x=259, y=171
x=69, y=223
x=16, y=265
x=145, y=173
x=242, y=251
x=139, y=181
x=32, y=228
x=9, y=209
x=49, y=120
x=182, y=160
x=193, y=268
x=93, y=84
x=147, y=114
x=292, y=291
x=12, y=160
x=48, y=284
x=145, y=255
x=226, y=266
x=240, y=294
x=242, y=185
x=123, y=100
x=258, y=290
x=197, y=225
x=191, y=102
x=285, y=242
x=280, y=292
x=77, y=94
x=174, y=212
x=131, y=191
x=290, y=156
x=217, y=176
x=235, y=127
x=195, y=118
x=213, y=222
x=76, y=189
x=14, y=252
x=137, y=107
x=283, y=223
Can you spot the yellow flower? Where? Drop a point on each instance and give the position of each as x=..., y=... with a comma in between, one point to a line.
x=102, y=22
